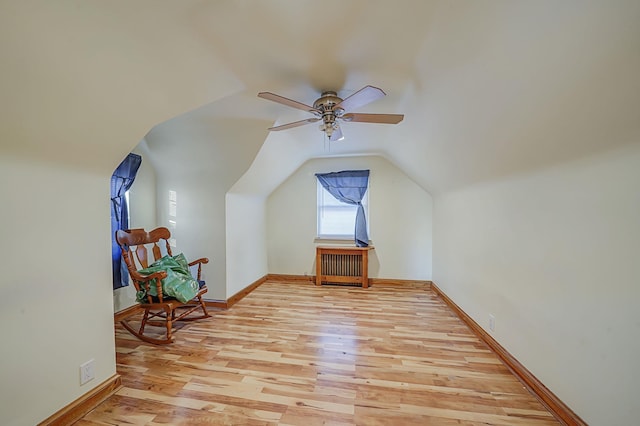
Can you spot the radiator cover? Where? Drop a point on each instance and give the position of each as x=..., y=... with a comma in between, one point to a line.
x=342, y=265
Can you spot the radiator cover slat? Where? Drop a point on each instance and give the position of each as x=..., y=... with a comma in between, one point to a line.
x=346, y=265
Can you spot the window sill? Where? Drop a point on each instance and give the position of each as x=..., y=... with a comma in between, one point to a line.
x=336, y=240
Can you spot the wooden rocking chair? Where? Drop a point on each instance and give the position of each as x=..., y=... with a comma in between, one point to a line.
x=160, y=310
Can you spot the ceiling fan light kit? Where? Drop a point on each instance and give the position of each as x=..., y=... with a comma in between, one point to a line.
x=329, y=108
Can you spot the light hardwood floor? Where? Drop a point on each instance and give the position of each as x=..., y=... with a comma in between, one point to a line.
x=297, y=354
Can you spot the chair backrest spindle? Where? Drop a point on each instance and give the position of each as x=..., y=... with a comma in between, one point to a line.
x=141, y=255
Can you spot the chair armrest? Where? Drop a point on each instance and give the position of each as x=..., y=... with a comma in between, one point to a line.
x=145, y=280
x=199, y=262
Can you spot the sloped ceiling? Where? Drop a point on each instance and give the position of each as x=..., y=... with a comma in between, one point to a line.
x=487, y=88
x=82, y=82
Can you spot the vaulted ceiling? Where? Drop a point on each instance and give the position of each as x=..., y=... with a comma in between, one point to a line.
x=487, y=88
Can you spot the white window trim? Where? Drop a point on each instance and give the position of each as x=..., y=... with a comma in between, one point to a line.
x=341, y=238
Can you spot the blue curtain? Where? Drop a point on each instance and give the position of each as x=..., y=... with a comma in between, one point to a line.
x=349, y=187
x=121, y=181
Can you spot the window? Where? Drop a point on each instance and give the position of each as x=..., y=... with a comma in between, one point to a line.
x=121, y=182
x=336, y=220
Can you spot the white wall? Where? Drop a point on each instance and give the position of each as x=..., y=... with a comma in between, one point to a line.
x=554, y=255
x=246, y=241
x=142, y=194
x=399, y=219
x=200, y=158
x=56, y=306
x=142, y=214
x=199, y=230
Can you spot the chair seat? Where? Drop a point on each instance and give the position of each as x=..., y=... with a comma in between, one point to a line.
x=173, y=302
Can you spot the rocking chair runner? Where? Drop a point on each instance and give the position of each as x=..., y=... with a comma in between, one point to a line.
x=160, y=310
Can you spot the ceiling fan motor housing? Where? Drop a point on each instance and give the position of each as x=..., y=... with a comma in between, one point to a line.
x=325, y=104
x=326, y=101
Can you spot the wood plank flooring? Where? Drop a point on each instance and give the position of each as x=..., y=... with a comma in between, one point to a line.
x=292, y=353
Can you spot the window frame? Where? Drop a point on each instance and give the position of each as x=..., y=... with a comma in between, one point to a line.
x=322, y=193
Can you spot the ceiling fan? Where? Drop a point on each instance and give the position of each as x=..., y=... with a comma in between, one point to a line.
x=329, y=108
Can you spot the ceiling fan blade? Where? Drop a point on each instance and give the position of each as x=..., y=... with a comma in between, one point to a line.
x=294, y=124
x=373, y=118
x=337, y=134
x=288, y=102
x=362, y=97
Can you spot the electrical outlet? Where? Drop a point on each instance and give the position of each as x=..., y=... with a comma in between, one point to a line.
x=87, y=372
x=492, y=322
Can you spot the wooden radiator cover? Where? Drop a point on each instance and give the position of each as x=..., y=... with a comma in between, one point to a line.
x=342, y=265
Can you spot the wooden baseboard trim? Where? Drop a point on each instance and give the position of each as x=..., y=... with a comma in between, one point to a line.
x=292, y=278
x=87, y=402
x=226, y=304
x=218, y=304
x=372, y=281
x=389, y=281
x=244, y=292
x=125, y=313
x=560, y=410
